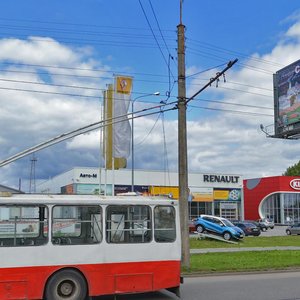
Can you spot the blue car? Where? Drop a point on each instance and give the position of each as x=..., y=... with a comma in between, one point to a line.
x=219, y=226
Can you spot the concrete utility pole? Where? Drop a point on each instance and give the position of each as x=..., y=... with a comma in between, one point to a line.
x=182, y=146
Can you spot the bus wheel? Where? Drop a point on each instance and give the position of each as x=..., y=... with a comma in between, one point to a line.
x=66, y=285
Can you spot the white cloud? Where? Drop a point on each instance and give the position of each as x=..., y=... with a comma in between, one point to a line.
x=29, y=117
x=86, y=141
x=218, y=140
x=227, y=142
x=230, y=142
x=36, y=50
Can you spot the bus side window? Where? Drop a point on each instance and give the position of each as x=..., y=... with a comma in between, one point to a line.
x=76, y=225
x=23, y=225
x=128, y=224
x=164, y=224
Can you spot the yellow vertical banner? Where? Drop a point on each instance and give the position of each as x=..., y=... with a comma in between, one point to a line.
x=121, y=126
x=117, y=135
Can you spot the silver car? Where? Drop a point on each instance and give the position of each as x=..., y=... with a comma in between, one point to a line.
x=269, y=223
x=293, y=229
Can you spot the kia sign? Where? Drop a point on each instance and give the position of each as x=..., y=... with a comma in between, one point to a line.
x=295, y=184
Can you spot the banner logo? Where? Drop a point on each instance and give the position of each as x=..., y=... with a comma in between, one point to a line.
x=124, y=85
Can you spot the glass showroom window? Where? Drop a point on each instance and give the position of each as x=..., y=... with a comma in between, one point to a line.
x=271, y=208
x=291, y=208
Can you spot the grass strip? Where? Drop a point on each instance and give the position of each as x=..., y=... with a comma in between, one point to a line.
x=271, y=241
x=244, y=261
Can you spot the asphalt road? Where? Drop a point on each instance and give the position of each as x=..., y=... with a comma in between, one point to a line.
x=262, y=286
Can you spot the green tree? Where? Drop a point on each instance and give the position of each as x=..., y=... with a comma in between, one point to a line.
x=293, y=170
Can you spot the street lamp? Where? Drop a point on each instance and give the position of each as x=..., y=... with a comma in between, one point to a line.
x=132, y=135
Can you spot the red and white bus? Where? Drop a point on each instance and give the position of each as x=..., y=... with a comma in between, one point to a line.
x=73, y=246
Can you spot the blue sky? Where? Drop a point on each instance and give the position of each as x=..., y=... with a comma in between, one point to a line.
x=90, y=41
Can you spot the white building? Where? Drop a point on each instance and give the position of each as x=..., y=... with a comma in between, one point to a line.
x=218, y=194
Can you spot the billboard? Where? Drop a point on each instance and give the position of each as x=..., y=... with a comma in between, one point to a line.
x=287, y=101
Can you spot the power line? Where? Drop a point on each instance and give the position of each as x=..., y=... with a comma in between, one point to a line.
x=80, y=32
x=220, y=58
x=109, y=78
x=166, y=46
x=51, y=84
x=204, y=71
x=166, y=161
x=106, y=43
x=232, y=103
x=160, y=31
x=150, y=131
x=81, y=25
x=47, y=92
x=240, y=54
x=203, y=44
x=64, y=94
x=154, y=36
x=243, y=91
x=232, y=111
x=212, y=80
x=97, y=97
x=74, y=69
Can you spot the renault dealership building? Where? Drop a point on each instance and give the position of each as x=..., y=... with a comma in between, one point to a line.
x=226, y=195
x=217, y=194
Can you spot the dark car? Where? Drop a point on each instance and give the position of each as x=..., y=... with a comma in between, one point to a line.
x=262, y=226
x=248, y=228
x=192, y=227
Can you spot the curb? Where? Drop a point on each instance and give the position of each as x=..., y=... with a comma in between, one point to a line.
x=242, y=249
x=236, y=273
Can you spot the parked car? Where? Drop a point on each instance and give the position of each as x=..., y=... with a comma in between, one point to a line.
x=262, y=226
x=267, y=222
x=219, y=226
x=192, y=227
x=293, y=229
x=248, y=228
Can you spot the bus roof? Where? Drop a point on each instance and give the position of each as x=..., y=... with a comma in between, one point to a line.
x=74, y=199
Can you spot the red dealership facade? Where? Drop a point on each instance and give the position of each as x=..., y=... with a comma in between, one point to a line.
x=275, y=197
